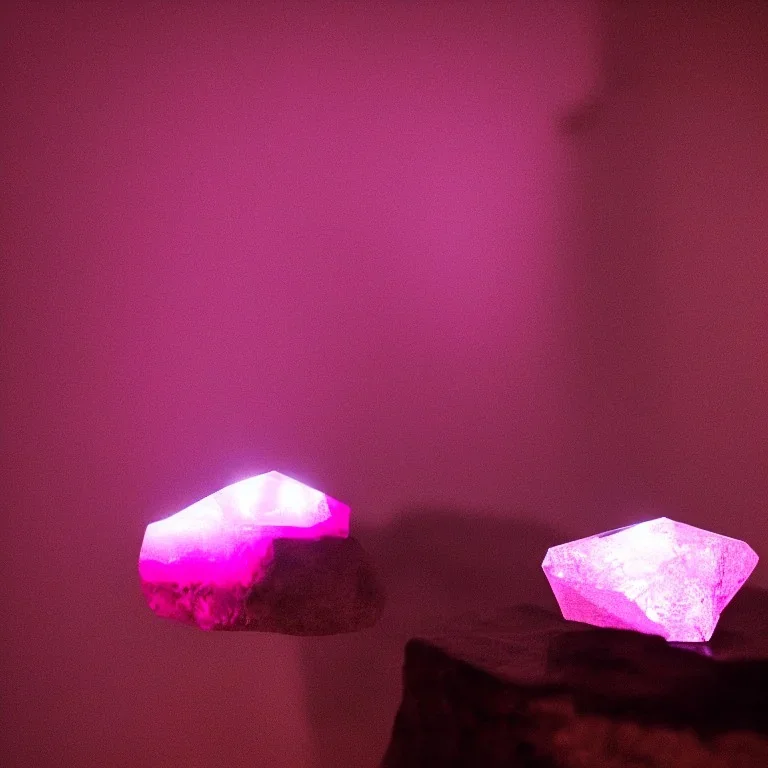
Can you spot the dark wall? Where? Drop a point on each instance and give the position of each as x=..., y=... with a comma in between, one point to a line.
x=494, y=274
x=676, y=158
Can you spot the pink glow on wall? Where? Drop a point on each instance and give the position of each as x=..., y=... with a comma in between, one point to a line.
x=224, y=542
x=324, y=236
x=659, y=577
x=352, y=239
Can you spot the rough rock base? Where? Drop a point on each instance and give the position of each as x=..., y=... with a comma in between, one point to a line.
x=321, y=587
x=526, y=688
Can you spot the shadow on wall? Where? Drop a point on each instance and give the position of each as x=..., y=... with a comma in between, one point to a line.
x=434, y=564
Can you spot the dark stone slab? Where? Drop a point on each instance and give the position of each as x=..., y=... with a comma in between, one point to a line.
x=519, y=686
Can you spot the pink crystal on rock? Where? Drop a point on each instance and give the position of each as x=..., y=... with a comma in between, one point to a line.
x=200, y=564
x=659, y=577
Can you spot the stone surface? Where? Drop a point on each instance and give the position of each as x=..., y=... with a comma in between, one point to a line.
x=660, y=577
x=321, y=587
x=268, y=554
x=523, y=687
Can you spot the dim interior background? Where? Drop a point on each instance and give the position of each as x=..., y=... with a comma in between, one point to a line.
x=495, y=274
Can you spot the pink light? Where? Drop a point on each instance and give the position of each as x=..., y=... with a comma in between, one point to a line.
x=659, y=577
x=200, y=561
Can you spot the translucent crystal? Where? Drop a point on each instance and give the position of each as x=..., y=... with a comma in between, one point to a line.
x=199, y=565
x=659, y=577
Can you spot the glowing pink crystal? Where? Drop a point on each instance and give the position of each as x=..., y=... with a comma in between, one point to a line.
x=659, y=577
x=200, y=564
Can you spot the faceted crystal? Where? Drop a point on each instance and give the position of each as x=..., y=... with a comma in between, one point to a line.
x=201, y=564
x=659, y=577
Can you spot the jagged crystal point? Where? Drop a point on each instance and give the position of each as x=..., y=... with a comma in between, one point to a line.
x=660, y=577
x=213, y=552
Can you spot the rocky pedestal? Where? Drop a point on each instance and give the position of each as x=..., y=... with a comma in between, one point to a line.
x=523, y=687
x=323, y=587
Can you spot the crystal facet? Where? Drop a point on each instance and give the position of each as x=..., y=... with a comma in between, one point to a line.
x=202, y=564
x=659, y=577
